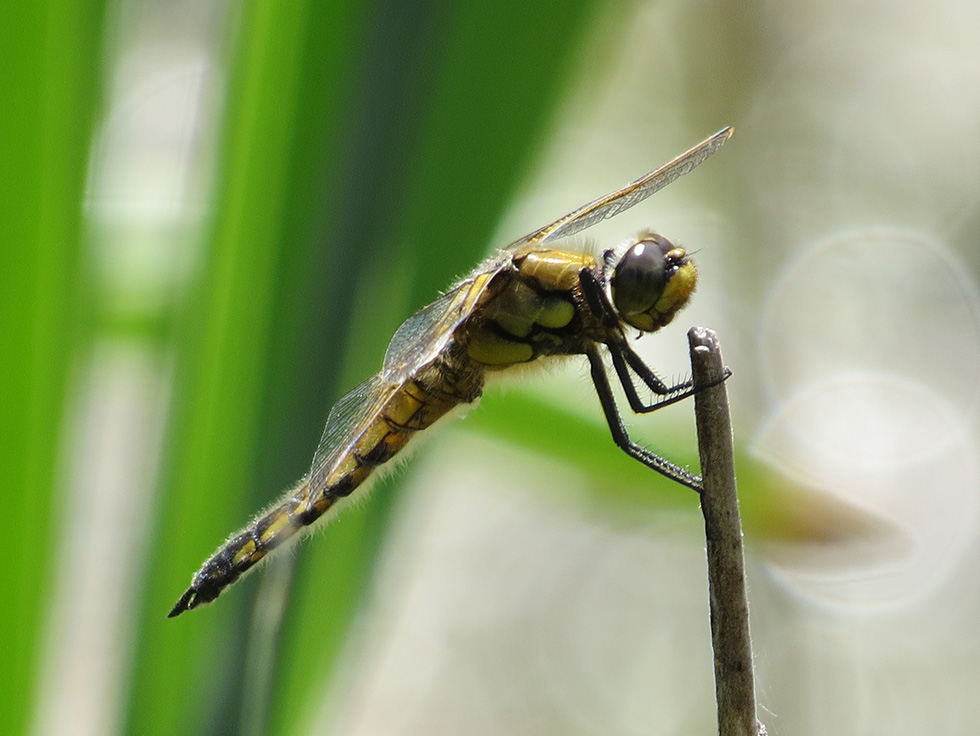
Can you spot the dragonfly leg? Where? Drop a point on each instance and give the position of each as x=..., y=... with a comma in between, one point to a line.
x=595, y=297
x=619, y=433
x=625, y=358
x=621, y=355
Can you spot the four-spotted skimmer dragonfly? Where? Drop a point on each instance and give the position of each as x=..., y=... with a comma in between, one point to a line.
x=527, y=301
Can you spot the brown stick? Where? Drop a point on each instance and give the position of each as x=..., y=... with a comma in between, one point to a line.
x=734, y=684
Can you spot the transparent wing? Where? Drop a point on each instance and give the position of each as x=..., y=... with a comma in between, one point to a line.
x=348, y=419
x=622, y=199
x=424, y=335
x=414, y=345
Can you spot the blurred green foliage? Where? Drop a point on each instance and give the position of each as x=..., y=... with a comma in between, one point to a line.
x=49, y=65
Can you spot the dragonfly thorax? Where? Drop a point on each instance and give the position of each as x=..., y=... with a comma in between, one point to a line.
x=651, y=282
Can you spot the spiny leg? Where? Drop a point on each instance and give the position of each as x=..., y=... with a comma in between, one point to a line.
x=619, y=433
x=621, y=355
x=596, y=298
x=625, y=358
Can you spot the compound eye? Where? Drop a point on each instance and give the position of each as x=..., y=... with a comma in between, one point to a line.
x=641, y=275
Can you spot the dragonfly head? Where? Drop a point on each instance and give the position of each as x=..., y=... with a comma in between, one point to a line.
x=651, y=282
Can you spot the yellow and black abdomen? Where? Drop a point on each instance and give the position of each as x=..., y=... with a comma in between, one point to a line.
x=413, y=407
x=530, y=312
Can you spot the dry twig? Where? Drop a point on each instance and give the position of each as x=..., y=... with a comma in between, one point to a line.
x=734, y=684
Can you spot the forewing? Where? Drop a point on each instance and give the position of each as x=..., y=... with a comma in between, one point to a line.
x=347, y=420
x=622, y=199
x=423, y=335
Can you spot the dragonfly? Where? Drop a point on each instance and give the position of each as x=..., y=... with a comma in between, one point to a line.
x=527, y=302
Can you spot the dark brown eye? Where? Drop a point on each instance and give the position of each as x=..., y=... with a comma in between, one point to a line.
x=641, y=275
